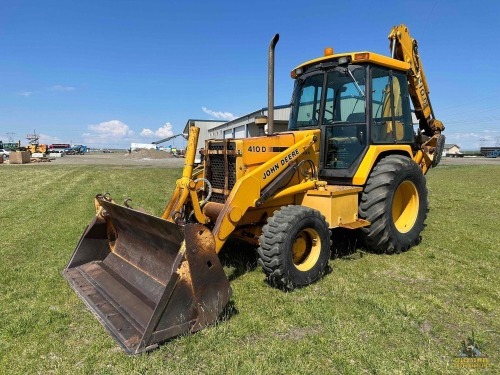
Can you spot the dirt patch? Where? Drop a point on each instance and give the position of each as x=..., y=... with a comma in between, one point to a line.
x=425, y=327
x=298, y=333
x=149, y=154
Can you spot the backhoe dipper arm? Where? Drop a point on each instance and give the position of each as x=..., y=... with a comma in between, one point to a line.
x=247, y=190
x=405, y=48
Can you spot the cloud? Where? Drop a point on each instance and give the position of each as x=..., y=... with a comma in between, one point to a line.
x=227, y=116
x=113, y=128
x=55, y=88
x=61, y=88
x=147, y=133
x=463, y=135
x=111, y=134
x=164, y=132
x=469, y=141
x=488, y=135
x=116, y=134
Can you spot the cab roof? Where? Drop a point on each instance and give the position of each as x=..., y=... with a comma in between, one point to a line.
x=359, y=57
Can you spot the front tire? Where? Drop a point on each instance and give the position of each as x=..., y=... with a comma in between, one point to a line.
x=395, y=202
x=294, y=247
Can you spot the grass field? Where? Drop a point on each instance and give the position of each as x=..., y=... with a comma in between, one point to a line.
x=404, y=313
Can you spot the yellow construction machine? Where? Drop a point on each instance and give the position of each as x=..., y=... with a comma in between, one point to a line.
x=351, y=158
x=37, y=148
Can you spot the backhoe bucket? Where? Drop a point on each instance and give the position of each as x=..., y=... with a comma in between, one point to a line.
x=147, y=279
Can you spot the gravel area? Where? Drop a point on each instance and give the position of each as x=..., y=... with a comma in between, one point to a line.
x=172, y=162
x=151, y=158
x=469, y=161
x=121, y=159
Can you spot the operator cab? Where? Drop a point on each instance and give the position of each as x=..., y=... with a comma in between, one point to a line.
x=356, y=104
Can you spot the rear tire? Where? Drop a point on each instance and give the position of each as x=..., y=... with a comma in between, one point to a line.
x=395, y=202
x=294, y=247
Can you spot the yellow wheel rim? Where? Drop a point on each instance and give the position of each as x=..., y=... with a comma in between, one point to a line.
x=306, y=249
x=405, y=206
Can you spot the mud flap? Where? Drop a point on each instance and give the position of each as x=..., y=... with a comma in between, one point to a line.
x=146, y=279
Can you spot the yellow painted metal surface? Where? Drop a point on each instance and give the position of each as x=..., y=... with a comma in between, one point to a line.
x=257, y=150
x=306, y=249
x=185, y=186
x=405, y=206
x=339, y=204
x=360, y=57
x=405, y=50
x=370, y=158
x=258, y=169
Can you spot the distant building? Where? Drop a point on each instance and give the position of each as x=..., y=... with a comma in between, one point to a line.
x=451, y=149
x=205, y=126
x=242, y=127
x=245, y=126
x=486, y=150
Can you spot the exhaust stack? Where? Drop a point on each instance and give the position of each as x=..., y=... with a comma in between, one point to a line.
x=270, y=85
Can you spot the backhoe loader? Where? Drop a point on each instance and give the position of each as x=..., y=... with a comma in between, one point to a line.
x=351, y=158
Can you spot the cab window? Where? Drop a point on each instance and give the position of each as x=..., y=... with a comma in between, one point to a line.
x=345, y=95
x=308, y=97
x=391, y=115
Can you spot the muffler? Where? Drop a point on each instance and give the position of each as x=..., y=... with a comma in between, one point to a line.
x=147, y=279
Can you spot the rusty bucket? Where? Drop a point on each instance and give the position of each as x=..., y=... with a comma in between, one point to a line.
x=146, y=279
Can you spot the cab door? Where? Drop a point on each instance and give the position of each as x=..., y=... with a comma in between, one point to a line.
x=344, y=122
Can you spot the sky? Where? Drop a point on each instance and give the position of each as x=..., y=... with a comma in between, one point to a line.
x=108, y=73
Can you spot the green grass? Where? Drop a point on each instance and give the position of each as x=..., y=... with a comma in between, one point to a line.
x=404, y=313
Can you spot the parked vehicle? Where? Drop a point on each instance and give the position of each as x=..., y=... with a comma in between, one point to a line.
x=4, y=153
x=493, y=154
x=56, y=153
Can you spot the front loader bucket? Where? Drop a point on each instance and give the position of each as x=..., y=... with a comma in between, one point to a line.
x=147, y=279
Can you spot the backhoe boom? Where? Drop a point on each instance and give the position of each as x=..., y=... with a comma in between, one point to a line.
x=405, y=48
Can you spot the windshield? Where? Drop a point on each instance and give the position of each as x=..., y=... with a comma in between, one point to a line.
x=342, y=90
x=306, y=101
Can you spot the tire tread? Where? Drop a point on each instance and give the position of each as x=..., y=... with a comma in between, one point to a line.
x=380, y=236
x=274, y=234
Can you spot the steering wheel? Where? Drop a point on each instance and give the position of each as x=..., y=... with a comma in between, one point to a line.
x=325, y=120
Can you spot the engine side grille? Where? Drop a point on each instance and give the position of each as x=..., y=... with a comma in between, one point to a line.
x=218, y=198
x=220, y=146
x=221, y=169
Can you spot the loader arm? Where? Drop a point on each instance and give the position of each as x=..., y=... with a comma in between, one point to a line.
x=247, y=191
x=185, y=186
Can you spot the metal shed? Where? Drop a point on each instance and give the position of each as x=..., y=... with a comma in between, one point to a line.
x=205, y=126
x=245, y=126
